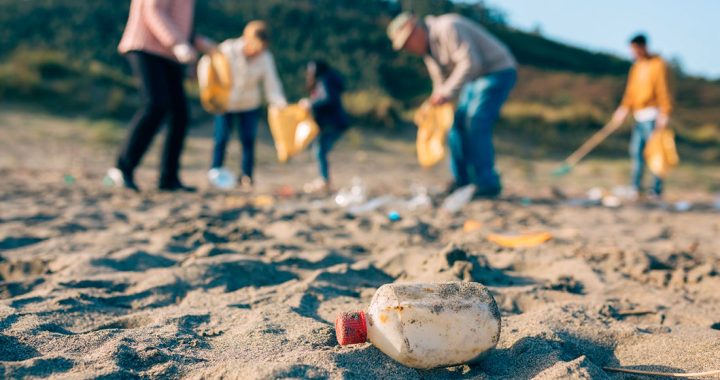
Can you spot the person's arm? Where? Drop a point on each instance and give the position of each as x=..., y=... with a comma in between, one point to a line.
x=321, y=96
x=467, y=59
x=626, y=104
x=166, y=31
x=434, y=71
x=273, y=87
x=664, y=97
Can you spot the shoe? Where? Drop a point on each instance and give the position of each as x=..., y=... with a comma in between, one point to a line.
x=488, y=193
x=176, y=186
x=246, y=183
x=318, y=186
x=120, y=178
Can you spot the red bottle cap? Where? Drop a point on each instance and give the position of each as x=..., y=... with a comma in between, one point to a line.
x=350, y=328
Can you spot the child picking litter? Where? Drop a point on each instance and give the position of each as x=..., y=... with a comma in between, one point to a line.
x=325, y=86
x=254, y=73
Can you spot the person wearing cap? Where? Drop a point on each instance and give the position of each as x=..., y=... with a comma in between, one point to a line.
x=158, y=41
x=468, y=65
x=648, y=97
x=253, y=74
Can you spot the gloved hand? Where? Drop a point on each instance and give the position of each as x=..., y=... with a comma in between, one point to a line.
x=185, y=53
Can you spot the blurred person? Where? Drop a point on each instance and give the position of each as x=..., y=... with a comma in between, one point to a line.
x=467, y=64
x=648, y=97
x=158, y=42
x=326, y=87
x=254, y=75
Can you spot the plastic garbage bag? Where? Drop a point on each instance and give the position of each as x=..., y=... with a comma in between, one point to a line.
x=524, y=240
x=660, y=152
x=293, y=129
x=433, y=124
x=215, y=80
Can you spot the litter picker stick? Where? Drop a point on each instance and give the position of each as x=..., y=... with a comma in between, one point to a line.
x=587, y=147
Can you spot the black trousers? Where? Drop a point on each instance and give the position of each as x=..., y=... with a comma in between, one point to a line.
x=163, y=98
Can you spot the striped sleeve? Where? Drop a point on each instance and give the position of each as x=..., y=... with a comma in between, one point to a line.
x=160, y=24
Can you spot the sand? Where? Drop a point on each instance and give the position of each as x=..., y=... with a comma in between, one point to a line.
x=98, y=282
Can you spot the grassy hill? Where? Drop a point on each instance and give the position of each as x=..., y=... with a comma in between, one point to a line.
x=61, y=55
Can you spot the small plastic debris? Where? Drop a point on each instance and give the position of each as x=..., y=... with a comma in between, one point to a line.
x=371, y=205
x=596, y=194
x=458, y=199
x=526, y=202
x=354, y=195
x=611, y=201
x=716, y=202
x=394, y=216
x=523, y=240
x=285, y=191
x=626, y=193
x=222, y=178
x=420, y=198
x=683, y=206
x=437, y=324
x=263, y=201
x=69, y=179
x=472, y=225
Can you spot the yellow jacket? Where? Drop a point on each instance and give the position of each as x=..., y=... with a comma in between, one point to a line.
x=647, y=86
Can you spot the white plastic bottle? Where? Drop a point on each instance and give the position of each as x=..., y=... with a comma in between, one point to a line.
x=426, y=325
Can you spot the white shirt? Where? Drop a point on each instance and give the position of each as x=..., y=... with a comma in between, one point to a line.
x=248, y=73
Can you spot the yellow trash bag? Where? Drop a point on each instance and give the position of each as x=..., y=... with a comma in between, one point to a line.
x=433, y=124
x=292, y=128
x=215, y=80
x=660, y=152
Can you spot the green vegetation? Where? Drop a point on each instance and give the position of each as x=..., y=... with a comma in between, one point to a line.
x=61, y=55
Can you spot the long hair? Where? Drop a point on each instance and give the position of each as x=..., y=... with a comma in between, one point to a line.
x=316, y=69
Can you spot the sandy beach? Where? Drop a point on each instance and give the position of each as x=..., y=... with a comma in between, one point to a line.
x=96, y=282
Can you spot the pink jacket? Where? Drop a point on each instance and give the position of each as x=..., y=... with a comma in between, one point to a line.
x=156, y=26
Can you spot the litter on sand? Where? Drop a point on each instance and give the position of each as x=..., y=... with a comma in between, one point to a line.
x=263, y=201
x=472, y=225
x=459, y=199
x=523, y=240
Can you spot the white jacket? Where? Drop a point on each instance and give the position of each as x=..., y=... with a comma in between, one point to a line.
x=247, y=74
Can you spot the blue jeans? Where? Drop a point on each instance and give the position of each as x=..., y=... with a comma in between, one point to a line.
x=471, y=137
x=323, y=145
x=247, y=123
x=640, y=135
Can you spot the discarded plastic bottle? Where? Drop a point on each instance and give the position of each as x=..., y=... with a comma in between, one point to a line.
x=222, y=178
x=458, y=199
x=426, y=325
x=420, y=198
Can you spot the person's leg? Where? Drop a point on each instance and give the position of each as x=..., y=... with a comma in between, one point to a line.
x=155, y=105
x=324, y=144
x=483, y=109
x=248, y=132
x=177, y=126
x=223, y=128
x=457, y=142
x=640, y=133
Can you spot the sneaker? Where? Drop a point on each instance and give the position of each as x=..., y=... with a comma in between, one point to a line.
x=120, y=178
x=246, y=183
x=176, y=186
x=318, y=186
